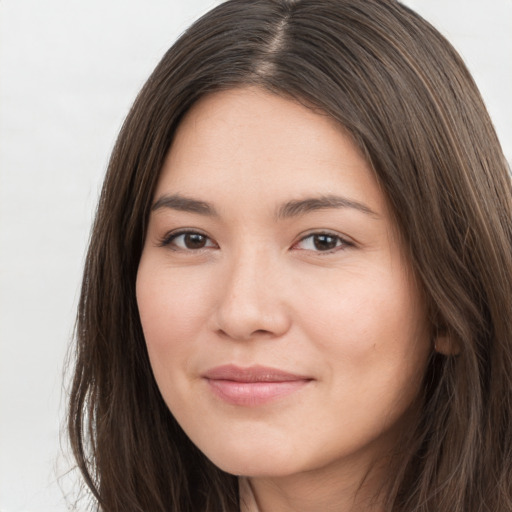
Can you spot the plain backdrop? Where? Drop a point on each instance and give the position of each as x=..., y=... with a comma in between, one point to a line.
x=69, y=70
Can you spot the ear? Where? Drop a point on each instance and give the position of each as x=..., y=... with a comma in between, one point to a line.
x=445, y=345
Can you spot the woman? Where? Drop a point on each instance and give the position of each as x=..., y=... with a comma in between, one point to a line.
x=298, y=290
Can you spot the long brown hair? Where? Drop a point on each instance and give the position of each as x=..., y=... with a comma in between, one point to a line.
x=404, y=94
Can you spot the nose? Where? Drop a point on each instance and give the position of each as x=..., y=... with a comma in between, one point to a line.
x=251, y=300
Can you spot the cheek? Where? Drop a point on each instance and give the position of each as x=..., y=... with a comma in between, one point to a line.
x=371, y=324
x=375, y=346
x=173, y=308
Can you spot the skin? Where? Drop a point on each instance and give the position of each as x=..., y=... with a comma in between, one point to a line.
x=259, y=288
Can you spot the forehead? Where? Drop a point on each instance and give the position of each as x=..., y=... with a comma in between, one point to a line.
x=248, y=142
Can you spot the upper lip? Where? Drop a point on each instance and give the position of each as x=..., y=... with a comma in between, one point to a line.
x=254, y=373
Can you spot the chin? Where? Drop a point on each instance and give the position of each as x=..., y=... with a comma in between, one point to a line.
x=255, y=462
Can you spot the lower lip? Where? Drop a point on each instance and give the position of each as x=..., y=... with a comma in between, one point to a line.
x=254, y=393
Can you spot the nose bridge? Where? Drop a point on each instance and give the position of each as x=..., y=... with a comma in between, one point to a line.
x=251, y=301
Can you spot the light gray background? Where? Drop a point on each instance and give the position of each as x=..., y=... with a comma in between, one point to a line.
x=69, y=70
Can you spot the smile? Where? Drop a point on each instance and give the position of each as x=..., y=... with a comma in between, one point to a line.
x=252, y=386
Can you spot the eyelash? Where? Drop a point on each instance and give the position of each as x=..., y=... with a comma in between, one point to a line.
x=169, y=238
x=341, y=243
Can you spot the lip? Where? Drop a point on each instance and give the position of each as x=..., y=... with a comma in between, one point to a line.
x=253, y=385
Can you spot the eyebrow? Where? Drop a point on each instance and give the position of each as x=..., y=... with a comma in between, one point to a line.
x=303, y=206
x=185, y=204
x=289, y=209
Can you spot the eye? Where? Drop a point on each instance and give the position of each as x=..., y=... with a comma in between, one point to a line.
x=322, y=242
x=187, y=241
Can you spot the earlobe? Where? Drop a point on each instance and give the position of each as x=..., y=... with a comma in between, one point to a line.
x=446, y=345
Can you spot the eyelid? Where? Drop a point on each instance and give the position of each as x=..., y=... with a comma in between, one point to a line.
x=346, y=242
x=169, y=237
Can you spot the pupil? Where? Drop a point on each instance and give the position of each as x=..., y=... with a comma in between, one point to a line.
x=324, y=242
x=195, y=241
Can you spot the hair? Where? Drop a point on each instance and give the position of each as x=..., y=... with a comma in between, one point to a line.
x=403, y=93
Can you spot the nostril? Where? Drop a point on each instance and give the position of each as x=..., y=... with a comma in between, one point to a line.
x=261, y=331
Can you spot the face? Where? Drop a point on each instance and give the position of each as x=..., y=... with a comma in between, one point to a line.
x=283, y=323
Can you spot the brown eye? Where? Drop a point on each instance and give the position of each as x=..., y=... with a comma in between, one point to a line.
x=188, y=241
x=325, y=242
x=322, y=242
x=194, y=240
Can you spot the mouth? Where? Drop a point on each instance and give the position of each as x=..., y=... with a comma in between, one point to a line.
x=254, y=385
